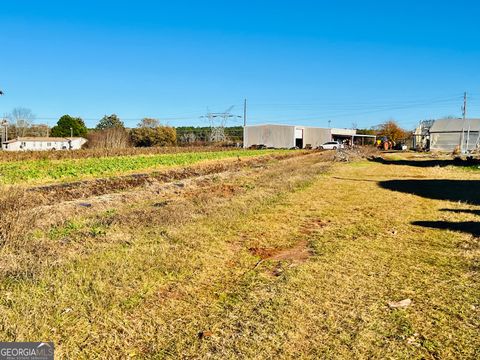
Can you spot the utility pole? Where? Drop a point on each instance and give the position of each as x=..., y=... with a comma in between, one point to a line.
x=329, y=122
x=465, y=119
x=71, y=132
x=245, y=113
x=244, y=123
x=4, y=125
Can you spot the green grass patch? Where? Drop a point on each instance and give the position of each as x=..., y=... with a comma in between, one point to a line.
x=75, y=169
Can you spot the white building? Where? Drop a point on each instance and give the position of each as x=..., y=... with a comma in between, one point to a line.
x=449, y=134
x=289, y=136
x=43, y=143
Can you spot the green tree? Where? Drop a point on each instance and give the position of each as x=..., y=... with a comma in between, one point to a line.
x=67, y=125
x=110, y=122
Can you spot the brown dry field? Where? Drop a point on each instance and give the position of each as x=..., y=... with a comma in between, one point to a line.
x=272, y=257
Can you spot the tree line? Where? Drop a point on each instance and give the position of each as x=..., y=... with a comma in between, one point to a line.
x=111, y=132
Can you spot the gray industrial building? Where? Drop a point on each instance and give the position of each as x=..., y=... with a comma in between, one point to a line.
x=449, y=134
x=289, y=136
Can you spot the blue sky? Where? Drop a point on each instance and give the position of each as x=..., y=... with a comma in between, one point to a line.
x=298, y=62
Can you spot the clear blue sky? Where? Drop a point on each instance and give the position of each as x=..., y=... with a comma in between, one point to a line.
x=299, y=62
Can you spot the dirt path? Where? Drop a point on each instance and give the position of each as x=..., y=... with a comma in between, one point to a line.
x=297, y=259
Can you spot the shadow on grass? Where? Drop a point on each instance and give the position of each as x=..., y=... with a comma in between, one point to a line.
x=467, y=191
x=427, y=163
x=472, y=227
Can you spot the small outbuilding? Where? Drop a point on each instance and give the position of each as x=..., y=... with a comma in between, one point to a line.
x=451, y=134
x=289, y=136
x=421, y=135
x=43, y=143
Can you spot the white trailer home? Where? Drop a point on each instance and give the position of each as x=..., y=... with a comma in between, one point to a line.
x=289, y=136
x=43, y=143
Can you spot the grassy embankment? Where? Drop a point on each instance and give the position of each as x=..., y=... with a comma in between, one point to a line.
x=298, y=259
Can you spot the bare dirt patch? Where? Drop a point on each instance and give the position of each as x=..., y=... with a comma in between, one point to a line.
x=298, y=253
x=313, y=225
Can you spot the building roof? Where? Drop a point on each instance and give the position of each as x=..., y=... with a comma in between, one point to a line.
x=269, y=124
x=455, y=125
x=344, y=131
x=334, y=131
x=40, y=138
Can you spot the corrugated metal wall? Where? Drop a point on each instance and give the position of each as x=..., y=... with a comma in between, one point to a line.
x=316, y=136
x=277, y=136
x=449, y=141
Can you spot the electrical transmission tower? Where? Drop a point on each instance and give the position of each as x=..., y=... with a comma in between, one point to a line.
x=217, y=122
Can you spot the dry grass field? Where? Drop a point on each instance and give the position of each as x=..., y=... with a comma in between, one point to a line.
x=265, y=257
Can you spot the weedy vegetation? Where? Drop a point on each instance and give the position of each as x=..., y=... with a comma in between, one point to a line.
x=74, y=169
x=6, y=156
x=292, y=257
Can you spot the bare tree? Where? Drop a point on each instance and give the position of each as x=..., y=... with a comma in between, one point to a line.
x=22, y=118
x=38, y=130
x=113, y=138
x=149, y=123
x=188, y=138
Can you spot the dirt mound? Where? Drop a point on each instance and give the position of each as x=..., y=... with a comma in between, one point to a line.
x=357, y=153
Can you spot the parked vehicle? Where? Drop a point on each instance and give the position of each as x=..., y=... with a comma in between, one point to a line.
x=331, y=145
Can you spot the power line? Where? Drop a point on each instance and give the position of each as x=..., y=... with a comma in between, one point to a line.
x=362, y=104
x=322, y=110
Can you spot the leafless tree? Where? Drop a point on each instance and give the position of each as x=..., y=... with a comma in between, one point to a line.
x=38, y=130
x=22, y=118
x=188, y=138
x=149, y=123
x=114, y=138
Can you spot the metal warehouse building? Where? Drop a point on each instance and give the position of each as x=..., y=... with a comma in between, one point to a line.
x=289, y=136
x=448, y=134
